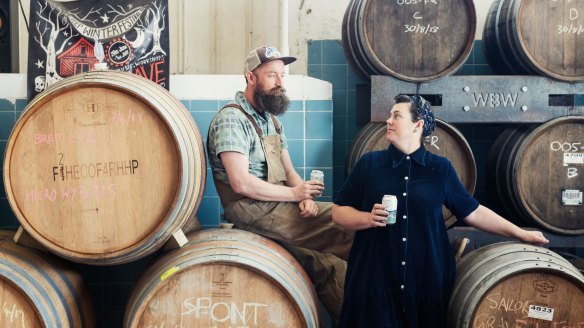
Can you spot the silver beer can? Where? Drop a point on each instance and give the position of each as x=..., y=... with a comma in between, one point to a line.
x=317, y=175
x=390, y=204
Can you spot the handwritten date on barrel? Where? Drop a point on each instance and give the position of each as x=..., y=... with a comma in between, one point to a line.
x=417, y=28
x=13, y=316
x=127, y=118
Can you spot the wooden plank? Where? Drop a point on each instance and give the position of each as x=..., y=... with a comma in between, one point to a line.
x=483, y=99
x=22, y=238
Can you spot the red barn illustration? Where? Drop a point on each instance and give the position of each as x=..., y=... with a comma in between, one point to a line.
x=77, y=59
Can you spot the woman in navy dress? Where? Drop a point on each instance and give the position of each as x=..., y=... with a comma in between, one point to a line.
x=401, y=275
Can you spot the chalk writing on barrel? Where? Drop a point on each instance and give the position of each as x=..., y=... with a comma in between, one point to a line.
x=13, y=315
x=80, y=137
x=433, y=141
x=246, y=313
x=415, y=2
x=508, y=304
x=565, y=146
x=127, y=118
x=484, y=320
x=570, y=29
x=423, y=29
x=84, y=192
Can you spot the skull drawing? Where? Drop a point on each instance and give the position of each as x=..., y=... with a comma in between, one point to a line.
x=39, y=83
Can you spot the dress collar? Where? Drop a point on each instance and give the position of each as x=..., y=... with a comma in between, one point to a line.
x=397, y=156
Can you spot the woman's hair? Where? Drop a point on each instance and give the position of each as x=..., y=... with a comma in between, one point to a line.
x=421, y=110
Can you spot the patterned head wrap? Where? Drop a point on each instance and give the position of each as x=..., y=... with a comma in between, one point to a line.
x=424, y=111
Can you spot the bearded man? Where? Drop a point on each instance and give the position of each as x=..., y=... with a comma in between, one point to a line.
x=259, y=189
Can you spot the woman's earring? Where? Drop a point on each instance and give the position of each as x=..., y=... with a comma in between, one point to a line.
x=415, y=130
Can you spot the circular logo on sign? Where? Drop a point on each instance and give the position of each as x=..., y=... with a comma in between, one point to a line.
x=118, y=52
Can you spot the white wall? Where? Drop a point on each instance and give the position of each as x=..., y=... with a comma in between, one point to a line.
x=213, y=36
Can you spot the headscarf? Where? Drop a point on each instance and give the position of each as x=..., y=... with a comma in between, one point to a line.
x=422, y=107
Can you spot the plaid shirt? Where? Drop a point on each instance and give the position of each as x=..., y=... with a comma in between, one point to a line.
x=230, y=130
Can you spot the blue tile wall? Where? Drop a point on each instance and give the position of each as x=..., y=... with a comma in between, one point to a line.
x=319, y=125
x=8, y=114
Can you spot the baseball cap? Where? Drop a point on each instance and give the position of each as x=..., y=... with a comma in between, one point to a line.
x=262, y=55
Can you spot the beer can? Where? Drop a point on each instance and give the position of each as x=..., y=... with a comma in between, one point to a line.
x=317, y=175
x=390, y=204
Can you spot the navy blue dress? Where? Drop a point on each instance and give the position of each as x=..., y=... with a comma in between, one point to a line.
x=401, y=275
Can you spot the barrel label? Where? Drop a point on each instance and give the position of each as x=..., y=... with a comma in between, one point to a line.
x=573, y=158
x=544, y=285
x=221, y=285
x=94, y=170
x=572, y=197
x=169, y=272
x=541, y=312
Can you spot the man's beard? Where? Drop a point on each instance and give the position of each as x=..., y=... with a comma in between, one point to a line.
x=273, y=101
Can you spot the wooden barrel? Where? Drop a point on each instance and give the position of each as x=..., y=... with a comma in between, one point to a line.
x=446, y=141
x=412, y=40
x=516, y=285
x=104, y=167
x=536, y=37
x=537, y=176
x=224, y=278
x=39, y=290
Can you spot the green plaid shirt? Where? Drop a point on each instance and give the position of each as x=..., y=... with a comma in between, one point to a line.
x=230, y=130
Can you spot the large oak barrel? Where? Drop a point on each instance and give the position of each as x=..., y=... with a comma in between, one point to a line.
x=516, y=285
x=446, y=141
x=412, y=40
x=536, y=174
x=536, y=37
x=40, y=290
x=224, y=278
x=103, y=167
